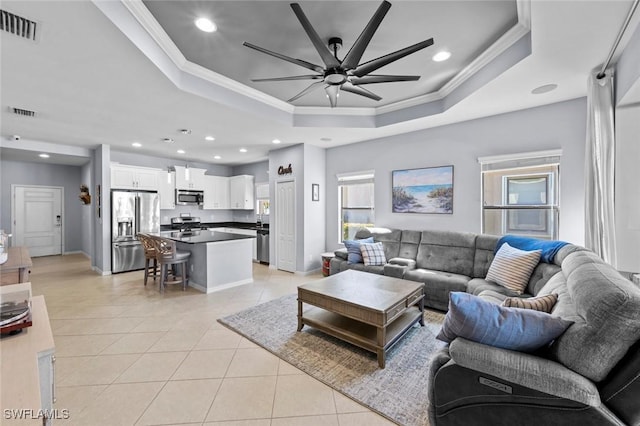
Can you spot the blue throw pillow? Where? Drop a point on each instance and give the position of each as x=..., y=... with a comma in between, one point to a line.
x=484, y=322
x=353, y=249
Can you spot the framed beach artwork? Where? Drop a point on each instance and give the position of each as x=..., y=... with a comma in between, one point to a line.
x=428, y=190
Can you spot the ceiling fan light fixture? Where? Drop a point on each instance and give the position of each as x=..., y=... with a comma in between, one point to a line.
x=206, y=25
x=441, y=56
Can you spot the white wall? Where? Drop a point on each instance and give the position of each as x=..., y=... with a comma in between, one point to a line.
x=561, y=125
x=314, y=211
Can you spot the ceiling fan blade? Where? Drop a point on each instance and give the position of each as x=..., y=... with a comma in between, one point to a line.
x=295, y=77
x=374, y=64
x=371, y=79
x=309, y=89
x=355, y=53
x=305, y=64
x=323, y=50
x=348, y=87
x=333, y=91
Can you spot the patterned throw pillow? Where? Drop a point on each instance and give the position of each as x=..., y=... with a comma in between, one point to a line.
x=353, y=249
x=512, y=268
x=541, y=303
x=373, y=254
x=481, y=321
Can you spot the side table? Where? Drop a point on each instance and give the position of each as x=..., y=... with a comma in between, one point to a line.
x=326, y=263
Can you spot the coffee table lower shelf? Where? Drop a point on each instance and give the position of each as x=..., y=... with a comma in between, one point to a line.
x=361, y=334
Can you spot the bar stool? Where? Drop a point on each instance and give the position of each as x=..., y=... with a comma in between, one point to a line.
x=167, y=254
x=149, y=256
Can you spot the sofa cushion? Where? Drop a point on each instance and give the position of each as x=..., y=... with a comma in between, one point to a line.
x=511, y=268
x=437, y=285
x=540, y=275
x=485, y=251
x=541, y=303
x=353, y=249
x=342, y=253
x=607, y=306
x=479, y=285
x=409, y=243
x=447, y=251
x=373, y=254
x=484, y=322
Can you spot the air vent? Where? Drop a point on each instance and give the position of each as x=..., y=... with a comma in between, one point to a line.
x=17, y=25
x=22, y=112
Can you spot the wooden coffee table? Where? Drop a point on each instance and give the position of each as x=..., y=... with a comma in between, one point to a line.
x=367, y=310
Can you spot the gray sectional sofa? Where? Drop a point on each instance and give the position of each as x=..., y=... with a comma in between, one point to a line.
x=590, y=375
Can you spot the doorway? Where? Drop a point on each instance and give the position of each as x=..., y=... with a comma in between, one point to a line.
x=36, y=219
x=286, y=226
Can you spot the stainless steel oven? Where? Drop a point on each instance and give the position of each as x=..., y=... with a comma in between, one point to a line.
x=189, y=197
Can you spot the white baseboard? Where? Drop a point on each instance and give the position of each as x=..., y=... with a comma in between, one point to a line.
x=204, y=289
x=306, y=273
x=100, y=271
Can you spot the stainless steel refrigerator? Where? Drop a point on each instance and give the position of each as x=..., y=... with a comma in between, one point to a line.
x=131, y=212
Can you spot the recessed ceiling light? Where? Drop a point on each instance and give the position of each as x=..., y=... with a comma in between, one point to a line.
x=43, y=155
x=544, y=89
x=217, y=157
x=209, y=138
x=206, y=25
x=180, y=151
x=325, y=139
x=243, y=149
x=276, y=141
x=136, y=144
x=441, y=56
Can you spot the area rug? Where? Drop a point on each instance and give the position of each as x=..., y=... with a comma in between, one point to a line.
x=397, y=392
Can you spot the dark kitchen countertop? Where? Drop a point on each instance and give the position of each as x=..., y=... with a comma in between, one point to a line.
x=202, y=236
x=242, y=225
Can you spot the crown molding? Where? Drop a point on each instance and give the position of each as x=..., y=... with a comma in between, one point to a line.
x=150, y=25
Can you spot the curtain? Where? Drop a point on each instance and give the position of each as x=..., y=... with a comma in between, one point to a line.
x=600, y=168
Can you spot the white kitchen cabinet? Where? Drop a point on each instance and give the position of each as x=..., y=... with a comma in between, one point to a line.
x=167, y=190
x=262, y=191
x=241, y=192
x=131, y=177
x=195, y=181
x=216, y=193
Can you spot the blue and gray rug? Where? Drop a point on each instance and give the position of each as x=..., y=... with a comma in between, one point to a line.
x=398, y=392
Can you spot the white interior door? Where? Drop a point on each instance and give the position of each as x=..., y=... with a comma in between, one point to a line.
x=286, y=226
x=37, y=219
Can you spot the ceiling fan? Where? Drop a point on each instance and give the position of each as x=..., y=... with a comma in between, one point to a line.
x=347, y=74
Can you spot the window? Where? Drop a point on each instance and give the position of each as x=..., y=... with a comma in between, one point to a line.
x=520, y=194
x=355, y=203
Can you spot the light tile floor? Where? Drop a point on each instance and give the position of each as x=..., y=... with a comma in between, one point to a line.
x=128, y=355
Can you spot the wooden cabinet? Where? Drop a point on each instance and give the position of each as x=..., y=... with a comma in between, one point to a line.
x=216, y=193
x=167, y=190
x=130, y=177
x=27, y=364
x=241, y=192
x=190, y=178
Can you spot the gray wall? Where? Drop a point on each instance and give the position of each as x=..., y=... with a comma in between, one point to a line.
x=628, y=66
x=561, y=125
x=68, y=177
x=88, y=210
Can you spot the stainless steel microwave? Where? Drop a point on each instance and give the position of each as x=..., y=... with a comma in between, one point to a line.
x=189, y=197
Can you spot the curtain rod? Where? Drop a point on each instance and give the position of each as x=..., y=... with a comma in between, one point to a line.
x=620, y=34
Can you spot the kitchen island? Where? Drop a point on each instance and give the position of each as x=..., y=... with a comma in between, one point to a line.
x=219, y=260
